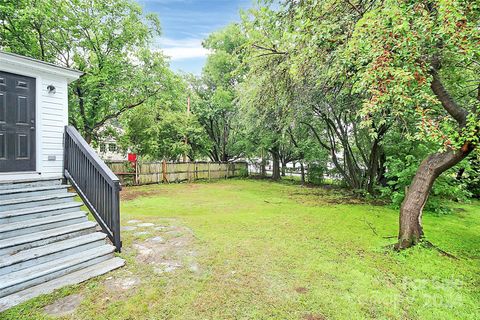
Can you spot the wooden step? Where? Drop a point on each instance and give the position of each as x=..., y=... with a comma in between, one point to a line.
x=38, y=212
x=66, y=280
x=9, y=230
x=49, y=252
x=38, y=274
x=29, y=202
x=32, y=191
x=29, y=182
x=12, y=245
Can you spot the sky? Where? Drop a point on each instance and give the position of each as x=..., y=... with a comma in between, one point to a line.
x=185, y=23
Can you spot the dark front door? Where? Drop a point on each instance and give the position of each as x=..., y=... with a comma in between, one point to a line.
x=17, y=123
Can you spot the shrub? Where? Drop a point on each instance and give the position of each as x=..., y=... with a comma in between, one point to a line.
x=243, y=172
x=470, y=175
x=315, y=173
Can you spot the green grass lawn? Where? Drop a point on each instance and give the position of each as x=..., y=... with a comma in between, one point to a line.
x=280, y=251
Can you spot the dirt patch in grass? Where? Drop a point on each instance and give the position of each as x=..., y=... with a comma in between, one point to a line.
x=122, y=284
x=320, y=196
x=134, y=193
x=64, y=306
x=301, y=290
x=169, y=249
x=330, y=195
x=314, y=317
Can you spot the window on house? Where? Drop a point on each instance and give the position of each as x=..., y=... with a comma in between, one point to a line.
x=112, y=147
x=103, y=147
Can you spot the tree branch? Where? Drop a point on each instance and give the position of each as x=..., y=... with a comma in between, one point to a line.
x=272, y=50
x=457, y=112
x=122, y=110
x=315, y=133
x=354, y=7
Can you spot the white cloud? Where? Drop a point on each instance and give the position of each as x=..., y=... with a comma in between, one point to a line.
x=181, y=49
x=181, y=53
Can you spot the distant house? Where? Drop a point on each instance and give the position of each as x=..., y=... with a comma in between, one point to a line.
x=108, y=147
x=46, y=240
x=109, y=151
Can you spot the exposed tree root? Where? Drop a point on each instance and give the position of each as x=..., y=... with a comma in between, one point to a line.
x=425, y=243
x=390, y=237
x=428, y=244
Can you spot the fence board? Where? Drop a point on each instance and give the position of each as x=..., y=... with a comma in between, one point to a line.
x=151, y=172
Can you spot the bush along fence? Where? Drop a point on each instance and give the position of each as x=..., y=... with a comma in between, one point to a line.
x=140, y=173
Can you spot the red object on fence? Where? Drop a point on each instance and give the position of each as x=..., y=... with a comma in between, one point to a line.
x=132, y=157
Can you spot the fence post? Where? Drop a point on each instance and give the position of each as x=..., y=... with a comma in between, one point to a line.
x=195, y=171
x=208, y=164
x=136, y=173
x=164, y=171
x=116, y=216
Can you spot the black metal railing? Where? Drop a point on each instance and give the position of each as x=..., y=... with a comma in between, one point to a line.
x=94, y=182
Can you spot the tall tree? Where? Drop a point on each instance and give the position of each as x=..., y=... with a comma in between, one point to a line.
x=419, y=60
x=107, y=39
x=216, y=105
x=162, y=129
x=267, y=90
x=306, y=39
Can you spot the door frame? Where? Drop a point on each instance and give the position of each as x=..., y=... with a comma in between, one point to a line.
x=38, y=121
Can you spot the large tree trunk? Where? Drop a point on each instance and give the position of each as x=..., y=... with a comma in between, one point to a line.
x=263, y=169
x=276, y=166
x=284, y=166
x=302, y=172
x=382, y=179
x=417, y=194
x=373, y=167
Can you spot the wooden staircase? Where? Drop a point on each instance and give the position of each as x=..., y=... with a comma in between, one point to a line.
x=46, y=241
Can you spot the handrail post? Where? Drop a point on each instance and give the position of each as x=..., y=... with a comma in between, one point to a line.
x=66, y=150
x=116, y=215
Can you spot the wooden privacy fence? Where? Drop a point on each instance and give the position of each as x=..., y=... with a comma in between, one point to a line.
x=166, y=172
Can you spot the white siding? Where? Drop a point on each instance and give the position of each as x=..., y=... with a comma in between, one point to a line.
x=51, y=117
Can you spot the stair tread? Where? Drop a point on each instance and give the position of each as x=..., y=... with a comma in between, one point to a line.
x=68, y=279
x=52, y=207
x=43, y=269
x=41, y=221
x=54, y=247
x=32, y=237
x=30, y=180
x=33, y=189
x=36, y=198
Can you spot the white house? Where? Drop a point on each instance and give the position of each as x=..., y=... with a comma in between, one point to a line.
x=108, y=148
x=33, y=116
x=46, y=240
